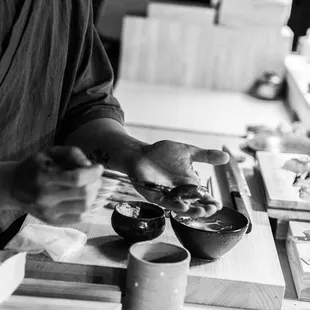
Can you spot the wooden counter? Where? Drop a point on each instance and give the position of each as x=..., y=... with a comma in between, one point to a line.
x=196, y=110
x=92, y=273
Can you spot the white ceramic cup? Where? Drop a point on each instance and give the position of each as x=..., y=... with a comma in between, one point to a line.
x=156, y=276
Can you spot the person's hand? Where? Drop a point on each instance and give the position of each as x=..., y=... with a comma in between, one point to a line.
x=57, y=185
x=170, y=163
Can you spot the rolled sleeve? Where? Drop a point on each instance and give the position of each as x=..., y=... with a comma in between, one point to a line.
x=92, y=93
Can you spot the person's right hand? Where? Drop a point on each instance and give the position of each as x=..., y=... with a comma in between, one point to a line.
x=57, y=185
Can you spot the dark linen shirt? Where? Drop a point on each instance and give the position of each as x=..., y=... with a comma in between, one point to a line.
x=54, y=76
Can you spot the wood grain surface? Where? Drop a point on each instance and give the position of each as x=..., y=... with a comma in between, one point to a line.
x=99, y=274
x=196, y=110
x=69, y=290
x=298, y=251
x=243, y=277
x=278, y=183
x=201, y=56
x=40, y=303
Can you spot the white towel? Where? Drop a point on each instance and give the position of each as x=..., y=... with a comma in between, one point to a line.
x=56, y=242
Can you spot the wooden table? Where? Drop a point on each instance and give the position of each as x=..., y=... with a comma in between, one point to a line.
x=216, y=141
x=153, y=134
x=195, y=110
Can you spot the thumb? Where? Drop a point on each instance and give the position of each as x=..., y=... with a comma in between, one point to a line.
x=213, y=157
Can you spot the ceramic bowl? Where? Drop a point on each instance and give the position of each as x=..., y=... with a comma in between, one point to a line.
x=137, y=221
x=211, y=245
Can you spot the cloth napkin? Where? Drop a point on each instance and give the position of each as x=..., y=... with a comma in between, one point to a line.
x=55, y=242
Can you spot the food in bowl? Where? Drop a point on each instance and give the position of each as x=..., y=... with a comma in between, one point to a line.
x=128, y=210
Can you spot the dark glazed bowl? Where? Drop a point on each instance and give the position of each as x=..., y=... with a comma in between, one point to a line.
x=137, y=221
x=211, y=245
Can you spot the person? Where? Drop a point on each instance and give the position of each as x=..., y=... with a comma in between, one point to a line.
x=61, y=125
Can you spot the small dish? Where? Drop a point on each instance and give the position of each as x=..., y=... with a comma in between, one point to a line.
x=137, y=221
x=211, y=244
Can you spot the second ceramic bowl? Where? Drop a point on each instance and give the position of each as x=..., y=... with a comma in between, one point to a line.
x=211, y=245
x=137, y=221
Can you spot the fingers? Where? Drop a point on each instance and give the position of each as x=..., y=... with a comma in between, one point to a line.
x=191, y=200
x=192, y=211
x=68, y=157
x=207, y=199
x=57, y=185
x=64, y=205
x=54, y=195
x=205, y=207
x=66, y=211
x=213, y=157
x=205, y=211
x=50, y=217
x=73, y=178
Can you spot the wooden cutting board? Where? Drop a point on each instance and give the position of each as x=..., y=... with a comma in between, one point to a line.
x=298, y=252
x=282, y=198
x=249, y=276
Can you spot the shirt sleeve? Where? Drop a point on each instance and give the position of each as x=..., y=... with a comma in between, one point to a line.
x=92, y=94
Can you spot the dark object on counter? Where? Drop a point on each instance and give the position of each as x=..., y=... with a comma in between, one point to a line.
x=211, y=244
x=267, y=87
x=279, y=143
x=137, y=221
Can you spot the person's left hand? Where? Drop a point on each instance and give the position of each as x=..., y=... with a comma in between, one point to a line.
x=170, y=163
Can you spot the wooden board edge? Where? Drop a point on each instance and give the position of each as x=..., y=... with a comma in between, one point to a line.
x=287, y=215
x=69, y=290
x=255, y=296
x=39, y=303
x=76, y=273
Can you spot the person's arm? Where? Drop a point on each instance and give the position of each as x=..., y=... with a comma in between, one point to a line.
x=106, y=141
x=165, y=162
x=93, y=119
x=93, y=122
